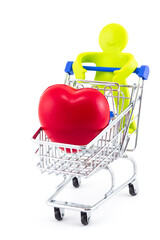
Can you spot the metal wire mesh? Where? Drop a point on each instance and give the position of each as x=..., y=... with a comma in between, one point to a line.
x=102, y=150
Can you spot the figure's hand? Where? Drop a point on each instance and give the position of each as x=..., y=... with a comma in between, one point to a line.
x=117, y=77
x=121, y=75
x=78, y=70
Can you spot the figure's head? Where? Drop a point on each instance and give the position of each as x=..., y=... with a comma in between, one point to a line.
x=113, y=38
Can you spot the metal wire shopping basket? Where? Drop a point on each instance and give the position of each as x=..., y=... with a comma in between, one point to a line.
x=109, y=145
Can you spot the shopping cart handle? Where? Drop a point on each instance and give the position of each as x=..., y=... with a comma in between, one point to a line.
x=142, y=72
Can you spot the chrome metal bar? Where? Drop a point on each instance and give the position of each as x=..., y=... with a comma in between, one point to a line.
x=81, y=207
x=59, y=188
x=132, y=110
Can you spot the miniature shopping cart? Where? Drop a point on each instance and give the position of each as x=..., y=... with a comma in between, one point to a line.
x=110, y=145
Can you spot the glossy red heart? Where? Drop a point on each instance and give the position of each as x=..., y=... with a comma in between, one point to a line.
x=72, y=116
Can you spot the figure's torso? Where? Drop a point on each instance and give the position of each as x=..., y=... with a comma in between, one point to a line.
x=109, y=60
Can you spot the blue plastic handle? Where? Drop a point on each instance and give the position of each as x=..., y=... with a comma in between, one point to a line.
x=100, y=69
x=142, y=72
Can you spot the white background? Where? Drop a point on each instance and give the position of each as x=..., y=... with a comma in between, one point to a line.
x=37, y=38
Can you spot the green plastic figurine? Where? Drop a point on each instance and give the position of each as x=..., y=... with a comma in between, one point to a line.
x=113, y=39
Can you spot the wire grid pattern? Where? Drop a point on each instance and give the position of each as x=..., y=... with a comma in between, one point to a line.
x=76, y=160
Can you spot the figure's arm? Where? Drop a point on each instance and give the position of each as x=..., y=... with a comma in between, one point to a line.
x=126, y=70
x=78, y=69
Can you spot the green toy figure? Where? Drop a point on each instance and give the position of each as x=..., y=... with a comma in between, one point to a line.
x=113, y=39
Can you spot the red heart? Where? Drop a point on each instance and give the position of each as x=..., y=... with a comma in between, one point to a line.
x=72, y=116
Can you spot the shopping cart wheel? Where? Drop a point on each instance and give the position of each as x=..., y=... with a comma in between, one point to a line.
x=85, y=218
x=133, y=188
x=58, y=213
x=76, y=182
